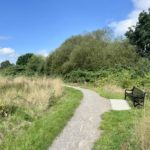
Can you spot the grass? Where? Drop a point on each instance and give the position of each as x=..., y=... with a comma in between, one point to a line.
x=142, y=130
x=111, y=91
x=42, y=132
x=24, y=100
x=123, y=130
x=117, y=127
x=29, y=92
x=33, y=111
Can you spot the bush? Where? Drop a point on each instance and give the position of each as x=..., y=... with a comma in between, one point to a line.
x=81, y=76
x=125, y=83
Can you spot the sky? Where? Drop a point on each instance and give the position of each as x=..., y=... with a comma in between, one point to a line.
x=41, y=26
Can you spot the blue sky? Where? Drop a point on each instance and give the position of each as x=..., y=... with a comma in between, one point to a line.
x=40, y=26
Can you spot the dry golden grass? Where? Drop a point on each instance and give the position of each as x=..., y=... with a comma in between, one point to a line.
x=57, y=86
x=113, y=88
x=29, y=92
x=143, y=128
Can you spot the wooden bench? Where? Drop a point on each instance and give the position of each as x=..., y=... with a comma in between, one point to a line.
x=136, y=95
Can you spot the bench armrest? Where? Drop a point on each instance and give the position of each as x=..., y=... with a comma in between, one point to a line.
x=127, y=90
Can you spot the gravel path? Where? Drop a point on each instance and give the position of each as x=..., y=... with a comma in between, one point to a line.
x=82, y=130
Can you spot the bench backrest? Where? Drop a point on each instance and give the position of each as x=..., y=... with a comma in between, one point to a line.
x=138, y=93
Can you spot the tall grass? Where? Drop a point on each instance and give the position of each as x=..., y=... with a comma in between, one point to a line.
x=40, y=134
x=23, y=101
x=111, y=91
x=28, y=92
x=142, y=130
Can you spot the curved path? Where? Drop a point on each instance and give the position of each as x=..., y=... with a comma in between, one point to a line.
x=83, y=129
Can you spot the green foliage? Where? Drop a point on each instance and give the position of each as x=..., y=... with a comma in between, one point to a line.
x=14, y=70
x=26, y=65
x=86, y=76
x=5, y=64
x=36, y=65
x=125, y=83
x=140, y=34
x=84, y=58
x=117, y=129
x=91, y=52
x=80, y=76
x=24, y=59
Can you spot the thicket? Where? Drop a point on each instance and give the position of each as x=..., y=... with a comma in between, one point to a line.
x=139, y=35
x=85, y=52
x=83, y=58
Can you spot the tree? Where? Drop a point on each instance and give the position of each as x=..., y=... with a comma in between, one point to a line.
x=5, y=64
x=139, y=35
x=91, y=52
x=36, y=65
x=24, y=59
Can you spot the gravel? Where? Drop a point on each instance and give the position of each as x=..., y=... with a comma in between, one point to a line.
x=83, y=129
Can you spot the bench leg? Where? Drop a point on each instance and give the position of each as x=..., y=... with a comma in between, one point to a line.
x=135, y=103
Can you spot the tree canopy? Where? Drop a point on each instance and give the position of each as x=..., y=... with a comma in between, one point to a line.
x=24, y=59
x=5, y=64
x=139, y=35
x=91, y=52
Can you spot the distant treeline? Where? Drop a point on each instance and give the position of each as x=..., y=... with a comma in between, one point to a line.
x=91, y=52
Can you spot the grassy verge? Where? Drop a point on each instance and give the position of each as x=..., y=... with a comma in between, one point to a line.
x=109, y=93
x=42, y=132
x=123, y=130
x=117, y=127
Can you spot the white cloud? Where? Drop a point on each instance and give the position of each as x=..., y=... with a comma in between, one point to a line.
x=120, y=27
x=6, y=51
x=141, y=4
x=43, y=52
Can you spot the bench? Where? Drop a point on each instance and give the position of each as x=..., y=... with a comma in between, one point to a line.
x=136, y=95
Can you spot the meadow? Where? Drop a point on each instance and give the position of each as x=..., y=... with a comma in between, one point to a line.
x=93, y=60
x=32, y=109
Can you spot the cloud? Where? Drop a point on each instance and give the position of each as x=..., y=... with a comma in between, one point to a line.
x=43, y=52
x=141, y=4
x=120, y=27
x=5, y=37
x=6, y=51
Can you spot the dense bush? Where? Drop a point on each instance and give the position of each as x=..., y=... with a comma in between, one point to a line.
x=24, y=59
x=91, y=52
x=84, y=58
x=5, y=64
x=36, y=65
